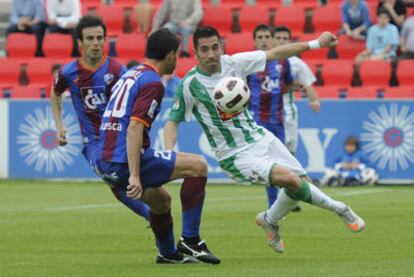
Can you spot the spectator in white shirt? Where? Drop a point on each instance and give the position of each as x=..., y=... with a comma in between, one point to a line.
x=62, y=17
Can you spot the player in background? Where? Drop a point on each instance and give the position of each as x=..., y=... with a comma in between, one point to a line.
x=243, y=149
x=89, y=80
x=267, y=88
x=124, y=157
x=304, y=78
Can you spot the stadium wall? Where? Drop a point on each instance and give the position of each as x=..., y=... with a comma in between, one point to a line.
x=28, y=146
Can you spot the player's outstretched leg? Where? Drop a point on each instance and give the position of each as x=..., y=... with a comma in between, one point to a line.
x=136, y=206
x=162, y=226
x=193, y=169
x=272, y=231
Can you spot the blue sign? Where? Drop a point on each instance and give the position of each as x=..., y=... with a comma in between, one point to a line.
x=385, y=128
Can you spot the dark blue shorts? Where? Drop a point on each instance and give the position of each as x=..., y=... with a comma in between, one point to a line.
x=156, y=169
x=276, y=129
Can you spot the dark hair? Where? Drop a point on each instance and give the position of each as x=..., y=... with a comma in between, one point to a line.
x=281, y=28
x=352, y=140
x=56, y=66
x=87, y=22
x=383, y=10
x=132, y=63
x=204, y=32
x=261, y=27
x=160, y=43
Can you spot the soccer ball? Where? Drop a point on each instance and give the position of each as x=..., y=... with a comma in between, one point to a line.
x=231, y=95
x=369, y=176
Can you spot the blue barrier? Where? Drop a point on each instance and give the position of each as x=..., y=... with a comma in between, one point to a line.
x=386, y=129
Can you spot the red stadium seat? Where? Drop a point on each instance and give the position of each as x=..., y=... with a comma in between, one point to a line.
x=318, y=54
x=233, y=4
x=375, y=73
x=362, y=92
x=251, y=16
x=328, y=92
x=40, y=71
x=57, y=45
x=113, y=17
x=240, y=42
x=184, y=65
x=348, y=48
x=405, y=72
x=327, y=18
x=306, y=3
x=405, y=92
x=19, y=45
x=28, y=92
x=125, y=3
x=91, y=3
x=293, y=17
x=218, y=17
x=131, y=46
x=9, y=72
x=337, y=72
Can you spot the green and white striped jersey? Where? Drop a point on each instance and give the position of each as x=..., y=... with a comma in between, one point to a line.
x=194, y=96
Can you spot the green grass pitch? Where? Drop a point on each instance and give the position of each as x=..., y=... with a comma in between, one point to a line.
x=79, y=229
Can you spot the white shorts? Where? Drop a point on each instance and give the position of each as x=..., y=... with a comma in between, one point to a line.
x=291, y=133
x=255, y=163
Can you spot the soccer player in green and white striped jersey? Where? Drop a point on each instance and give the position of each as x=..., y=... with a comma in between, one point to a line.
x=244, y=150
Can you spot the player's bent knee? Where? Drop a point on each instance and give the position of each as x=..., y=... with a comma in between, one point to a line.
x=200, y=166
x=286, y=178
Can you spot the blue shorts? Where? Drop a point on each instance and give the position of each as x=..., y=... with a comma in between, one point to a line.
x=156, y=169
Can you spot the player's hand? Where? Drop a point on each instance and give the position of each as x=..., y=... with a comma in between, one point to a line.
x=327, y=40
x=315, y=105
x=61, y=137
x=134, y=189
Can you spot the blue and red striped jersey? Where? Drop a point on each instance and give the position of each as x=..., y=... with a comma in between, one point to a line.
x=136, y=96
x=90, y=90
x=267, y=88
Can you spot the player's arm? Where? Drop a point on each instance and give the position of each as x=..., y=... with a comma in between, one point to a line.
x=325, y=40
x=56, y=103
x=135, y=134
x=314, y=103
x=170, y=134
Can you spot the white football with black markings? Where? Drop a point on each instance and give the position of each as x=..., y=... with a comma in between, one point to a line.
x=231, y=95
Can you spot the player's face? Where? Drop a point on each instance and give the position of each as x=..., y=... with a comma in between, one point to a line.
x=281, y=38
x=208, y=54
x=263, y=40
x=171, y=62
x=92, y=42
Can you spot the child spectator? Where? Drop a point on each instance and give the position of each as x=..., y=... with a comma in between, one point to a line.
x=351, y=168
x=382, y=40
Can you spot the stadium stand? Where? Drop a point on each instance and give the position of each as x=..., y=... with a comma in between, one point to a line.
x=20, y=45
x=328, y=92
x=39, y=70
x=130, y=46
x=337, y=72
x=219, y=17
x=375, y=73
x=184, y=65
x=28, y=92
x=240, y=42
x=113, y=17
x=348, y=48
x=327, y=18
x=292, y=17
x=57, y=45
x=405, y=92
x=9, y=72
x=251, y=16
x=405, y=72
x=362, y=92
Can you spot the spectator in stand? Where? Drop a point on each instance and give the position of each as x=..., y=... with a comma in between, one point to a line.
x=407, y=39
x=27, y=16
x=62, y=17
x=396, y=9
x=181, y=17
x=382, y=40
x=143, y=13
x=355, y=18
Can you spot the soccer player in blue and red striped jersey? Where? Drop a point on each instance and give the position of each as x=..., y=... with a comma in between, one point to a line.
x=267, y=88
x=89, y=80
x=125, y=159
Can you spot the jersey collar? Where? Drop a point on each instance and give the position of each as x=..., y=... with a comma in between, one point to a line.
x=92, y=68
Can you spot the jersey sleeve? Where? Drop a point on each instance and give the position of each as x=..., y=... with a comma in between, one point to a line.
x=182, y=106
x=301, y=71
x=147, y=103
x=250, y=62
x=60, y=83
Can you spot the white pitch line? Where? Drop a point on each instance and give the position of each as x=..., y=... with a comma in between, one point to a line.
x=117, y=205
